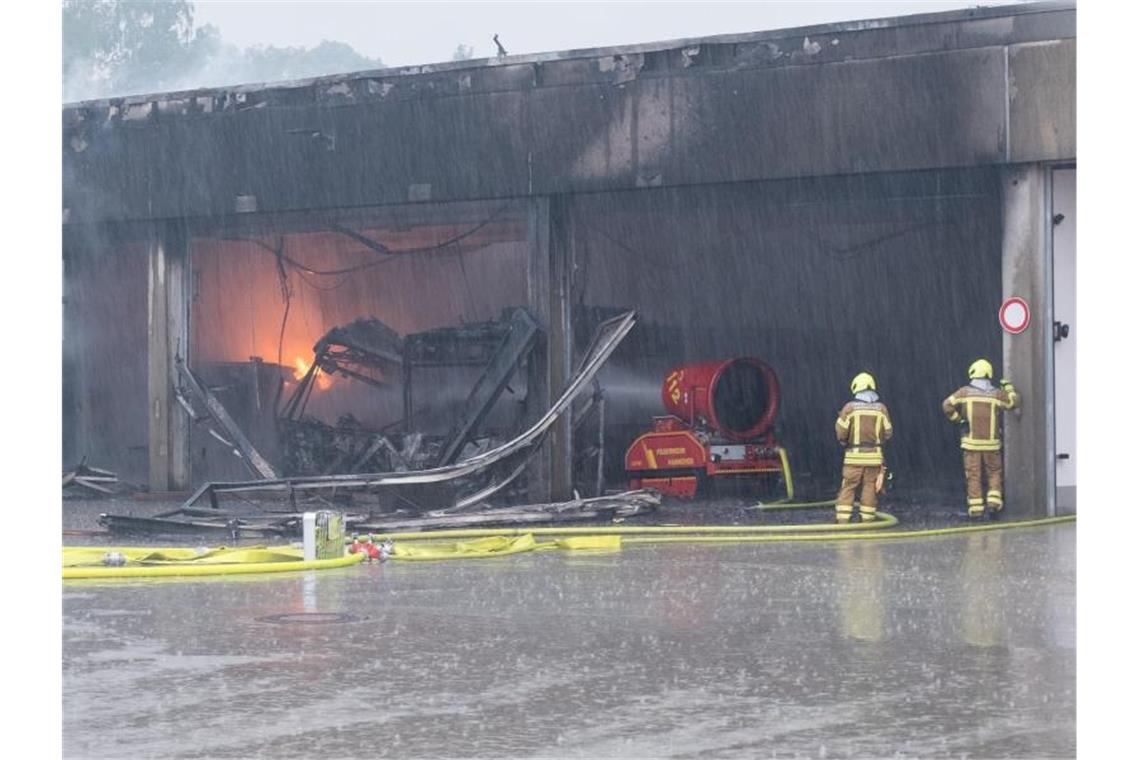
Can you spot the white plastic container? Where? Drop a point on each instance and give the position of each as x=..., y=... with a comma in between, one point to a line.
x=322, y=535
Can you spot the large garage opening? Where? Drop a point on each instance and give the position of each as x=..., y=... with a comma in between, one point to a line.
x=350, y=341
x=895, y=274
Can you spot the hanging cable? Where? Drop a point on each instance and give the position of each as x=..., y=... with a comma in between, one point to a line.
x=317, y=286
x=857, y=249
x=278, y=252
x=391, y=255
x=381, y=248
x=286, y=294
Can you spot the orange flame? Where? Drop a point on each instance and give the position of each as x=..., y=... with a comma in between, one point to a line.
x=323, y=381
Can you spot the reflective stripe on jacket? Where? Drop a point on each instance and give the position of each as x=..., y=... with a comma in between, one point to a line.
x=981, y=410
x=863, y=427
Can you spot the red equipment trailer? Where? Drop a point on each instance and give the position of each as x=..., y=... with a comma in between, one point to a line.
x=719, y=425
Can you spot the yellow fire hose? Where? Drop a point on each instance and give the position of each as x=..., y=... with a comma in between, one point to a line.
x=774, y=505
x=923, y=533
x=882, y=521
x=84, y=562
x=431, y=545
x=137, y=562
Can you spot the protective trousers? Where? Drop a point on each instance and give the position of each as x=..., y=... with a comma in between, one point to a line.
x=853, y=476
x=974, y=462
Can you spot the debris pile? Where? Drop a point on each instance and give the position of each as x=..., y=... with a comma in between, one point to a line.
x=459, y=470
x=260, y=522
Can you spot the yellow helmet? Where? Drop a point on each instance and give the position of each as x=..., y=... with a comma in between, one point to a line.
x=861, y=382
x=981, y=368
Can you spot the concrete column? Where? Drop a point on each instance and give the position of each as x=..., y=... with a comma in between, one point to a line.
x=1028, y=356
x=168, y=335
x=548, y=296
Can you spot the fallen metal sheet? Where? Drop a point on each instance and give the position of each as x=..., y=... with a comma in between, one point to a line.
x=493, y=520
x=606, y=339
x=599, y=508
x=494, y=488
x=208, y=521
x=233, y=528
x=241, y=445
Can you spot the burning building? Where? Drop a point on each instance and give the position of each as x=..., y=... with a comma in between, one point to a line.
x=738, y=191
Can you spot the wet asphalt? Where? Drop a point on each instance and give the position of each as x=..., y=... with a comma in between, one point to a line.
x=953, y=647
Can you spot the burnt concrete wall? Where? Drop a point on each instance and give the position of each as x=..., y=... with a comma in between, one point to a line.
x=1043, y=100
x=104, y=353
x=945, y=90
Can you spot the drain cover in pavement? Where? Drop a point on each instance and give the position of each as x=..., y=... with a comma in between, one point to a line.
x=310, y=618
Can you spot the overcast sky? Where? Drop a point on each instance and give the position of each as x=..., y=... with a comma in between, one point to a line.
x=402, y=33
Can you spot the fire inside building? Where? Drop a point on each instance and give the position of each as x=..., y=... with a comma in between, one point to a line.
x=396, y=270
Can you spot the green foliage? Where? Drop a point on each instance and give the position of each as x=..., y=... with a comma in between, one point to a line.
x=128, y=47
x=265, y=64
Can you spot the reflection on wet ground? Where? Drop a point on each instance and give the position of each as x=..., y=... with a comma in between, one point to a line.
x=961, y=646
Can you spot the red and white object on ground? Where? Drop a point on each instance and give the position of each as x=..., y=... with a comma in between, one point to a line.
x=1014, y=315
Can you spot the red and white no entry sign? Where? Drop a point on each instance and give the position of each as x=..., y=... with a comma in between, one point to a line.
x=1014, y=315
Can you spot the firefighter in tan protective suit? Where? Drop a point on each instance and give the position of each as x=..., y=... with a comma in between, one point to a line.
x=862, y=426
x=978, y=407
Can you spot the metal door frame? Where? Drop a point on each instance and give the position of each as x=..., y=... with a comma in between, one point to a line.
x=1050, y=355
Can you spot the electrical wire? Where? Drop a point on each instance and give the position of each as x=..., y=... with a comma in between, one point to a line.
x=286, y=295
x=857, y=249
x=324, y=288
x=393, y=254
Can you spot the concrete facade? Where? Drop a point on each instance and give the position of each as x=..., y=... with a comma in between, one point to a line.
x=984, y=86
x=988, y=88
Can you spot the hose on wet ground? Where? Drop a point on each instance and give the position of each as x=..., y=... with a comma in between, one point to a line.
x=90, y=562
x=472, y=543
x=432, y=545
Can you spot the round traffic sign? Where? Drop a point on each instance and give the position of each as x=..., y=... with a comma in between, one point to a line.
x=1014, y=315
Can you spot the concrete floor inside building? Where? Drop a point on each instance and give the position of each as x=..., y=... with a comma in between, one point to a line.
x=963, y=646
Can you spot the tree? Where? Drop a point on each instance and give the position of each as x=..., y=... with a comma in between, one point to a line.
x=267, y=64
x=129, y=47
x=463, y=53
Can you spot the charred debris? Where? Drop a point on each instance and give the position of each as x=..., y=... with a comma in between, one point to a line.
x=410, y=471
x=85, y=481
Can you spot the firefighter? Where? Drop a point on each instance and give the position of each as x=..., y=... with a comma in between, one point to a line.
x=976, y=407
x=862, y=426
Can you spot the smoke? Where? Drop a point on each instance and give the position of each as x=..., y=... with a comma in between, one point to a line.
x=116, y=55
